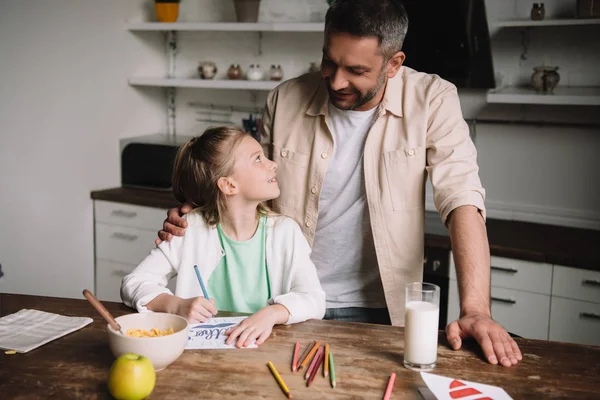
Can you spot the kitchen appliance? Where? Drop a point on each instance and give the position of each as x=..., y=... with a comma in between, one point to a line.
x=147, y=161
x=450, y=38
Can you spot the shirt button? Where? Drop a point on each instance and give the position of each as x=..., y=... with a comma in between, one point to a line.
x=283, y=153
x=308, y=224
x=323, y=155
x=411, y=152
x=313, y=190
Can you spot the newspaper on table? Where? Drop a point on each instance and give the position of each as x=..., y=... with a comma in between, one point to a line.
x=28, y=329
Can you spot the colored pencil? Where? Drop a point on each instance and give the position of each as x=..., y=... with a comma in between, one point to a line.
x=326, y=358
x=295, y=357
x=310, y=355
x=279, y=380
x=314, y=363
x=331, y=370
x=204, y=292
x=320, y=356
x=390, y=387
x=305, y=353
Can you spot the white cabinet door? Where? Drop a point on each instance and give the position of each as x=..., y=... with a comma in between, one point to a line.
x=123, y=245
x=575, y=321
x=522, y=313
x=576, y=284
x=515, y=274
x=108, y=279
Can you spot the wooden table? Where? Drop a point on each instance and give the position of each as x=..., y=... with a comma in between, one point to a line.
x=77, y=365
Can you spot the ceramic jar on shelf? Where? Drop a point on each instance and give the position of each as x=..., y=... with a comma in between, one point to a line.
x=255, y=73
x=235, y=72
x=207, y=70
x=276, y=72
x=544, y=79
x=538, y=12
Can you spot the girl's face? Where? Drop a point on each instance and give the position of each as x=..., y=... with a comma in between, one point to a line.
x=253, y=173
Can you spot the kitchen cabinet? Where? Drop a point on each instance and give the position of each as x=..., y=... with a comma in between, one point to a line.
x=541, y=301
x=124, y=235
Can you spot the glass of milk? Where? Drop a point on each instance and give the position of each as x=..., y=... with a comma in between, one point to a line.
x=421, y=326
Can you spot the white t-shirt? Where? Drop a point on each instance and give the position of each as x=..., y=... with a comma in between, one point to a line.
x=343, y=249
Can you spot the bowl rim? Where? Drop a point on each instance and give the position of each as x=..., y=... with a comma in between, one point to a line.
x=111, y=331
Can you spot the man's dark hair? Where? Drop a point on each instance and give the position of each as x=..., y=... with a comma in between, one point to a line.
x=385, y=19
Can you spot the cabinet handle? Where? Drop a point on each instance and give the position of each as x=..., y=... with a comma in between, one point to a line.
x=590, y=282
x=507, y=301
x=123, y=213
x=120, y=273
x=124, y=236
x=589, y=315
x=502, y=269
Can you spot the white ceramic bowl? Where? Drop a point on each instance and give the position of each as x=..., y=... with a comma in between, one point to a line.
x=162, y=350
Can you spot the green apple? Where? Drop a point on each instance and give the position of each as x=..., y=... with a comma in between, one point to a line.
x=132, y=377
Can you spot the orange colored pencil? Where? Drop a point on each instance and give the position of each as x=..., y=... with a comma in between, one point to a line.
x=305, y=353
x=326, y=360
x=320, y=355
x=295, y=357
x=390, y=386
x=310, y=355
x=314, y=364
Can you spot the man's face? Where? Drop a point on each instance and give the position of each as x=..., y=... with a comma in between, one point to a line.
x=354, y=71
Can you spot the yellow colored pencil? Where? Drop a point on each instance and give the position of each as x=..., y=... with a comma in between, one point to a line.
x=310, y=355
x=326, y=360
x=279, y=380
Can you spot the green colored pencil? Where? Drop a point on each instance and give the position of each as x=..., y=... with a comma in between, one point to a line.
x=331, y=369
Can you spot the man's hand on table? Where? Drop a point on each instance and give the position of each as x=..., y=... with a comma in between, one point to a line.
x=496, y=343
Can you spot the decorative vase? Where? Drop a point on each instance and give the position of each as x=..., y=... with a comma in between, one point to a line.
x=234, y=72
x=166, y=11
x=276, y=72
x=246, y=10
x=544, y=79
x=538, y=11
x=254, y=73
x=207, y=70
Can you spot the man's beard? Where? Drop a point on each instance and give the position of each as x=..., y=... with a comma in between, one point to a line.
x=368, y=96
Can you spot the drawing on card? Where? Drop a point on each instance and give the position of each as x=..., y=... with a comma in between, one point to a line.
x=211, y=334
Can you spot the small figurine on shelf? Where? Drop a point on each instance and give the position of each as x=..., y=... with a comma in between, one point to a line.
x=544, y=79
x=254, y=73
x=538, y=12
x=234, y=72
x=166, y=10
x=276, y=72
x=207, y=70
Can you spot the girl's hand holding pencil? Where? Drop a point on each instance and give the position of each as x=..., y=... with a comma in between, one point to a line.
x=196, y=309
x=257, y=327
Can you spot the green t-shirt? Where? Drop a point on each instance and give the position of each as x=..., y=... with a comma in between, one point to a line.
x=240, y=282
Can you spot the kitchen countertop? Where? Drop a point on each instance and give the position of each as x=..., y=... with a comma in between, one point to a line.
x=573, y=247
x=76, y=366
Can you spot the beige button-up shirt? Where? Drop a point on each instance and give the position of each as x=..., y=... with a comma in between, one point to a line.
x=418, y=131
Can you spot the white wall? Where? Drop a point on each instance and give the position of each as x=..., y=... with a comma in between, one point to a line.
x=64, y=103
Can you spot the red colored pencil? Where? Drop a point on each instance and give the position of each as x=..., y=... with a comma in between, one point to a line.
x=320, y=355
x=390, y=386
x=314, y=362
x=295, y=357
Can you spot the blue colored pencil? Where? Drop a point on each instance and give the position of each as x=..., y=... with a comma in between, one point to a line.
x=204, y=292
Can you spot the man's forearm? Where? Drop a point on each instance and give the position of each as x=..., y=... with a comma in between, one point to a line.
x=471, y=251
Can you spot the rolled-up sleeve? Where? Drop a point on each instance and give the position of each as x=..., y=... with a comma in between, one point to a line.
x=451, y=155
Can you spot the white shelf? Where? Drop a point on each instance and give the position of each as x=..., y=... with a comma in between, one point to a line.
x=563, y=95
x=525, y=23
x=204, y=83
x=229, y=26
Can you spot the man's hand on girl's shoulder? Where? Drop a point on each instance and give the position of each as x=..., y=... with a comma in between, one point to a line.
x=174, y=223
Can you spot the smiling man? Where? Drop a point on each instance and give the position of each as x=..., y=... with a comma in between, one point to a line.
x=354, y=146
